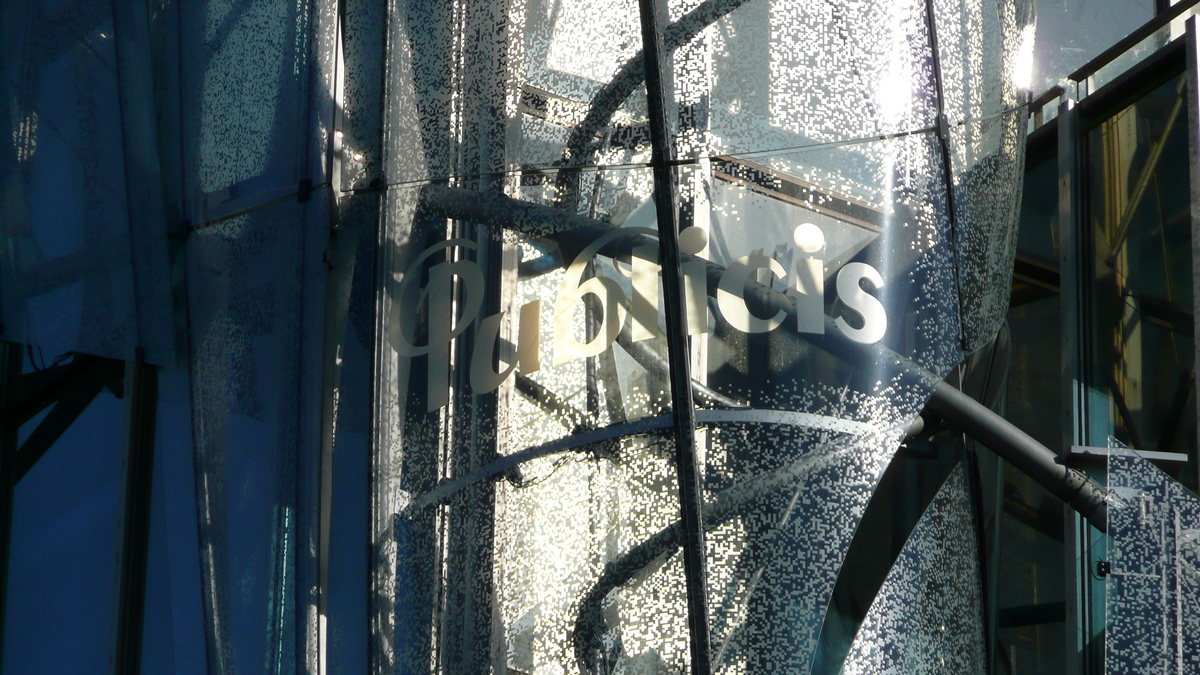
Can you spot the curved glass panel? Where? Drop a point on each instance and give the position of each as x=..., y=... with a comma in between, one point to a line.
x=826, y=331
x=243, y=101
x=1153, y=587
x=988, y=160
x=525, y=507
x=765, y=76
x=984, y=76
x=927, y=617
x=985, y=52
x=486, y=88
x=251, y=349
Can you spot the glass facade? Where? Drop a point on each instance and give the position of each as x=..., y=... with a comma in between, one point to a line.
x=1141, y=232
x=1026, y=526
x=1154, y=570
x=737, y=336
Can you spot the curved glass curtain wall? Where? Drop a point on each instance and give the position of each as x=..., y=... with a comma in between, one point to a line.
x=847, y=185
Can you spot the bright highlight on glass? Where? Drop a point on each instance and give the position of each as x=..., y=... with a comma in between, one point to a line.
x=1023, y=64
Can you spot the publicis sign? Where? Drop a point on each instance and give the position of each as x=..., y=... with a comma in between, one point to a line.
x=450, y=314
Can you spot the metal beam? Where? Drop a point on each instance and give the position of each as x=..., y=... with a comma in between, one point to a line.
x=1020, y=449
x=683, y=410
x=943, y=136
x=10, y=370
x=35, y=391
x=1192, y=75
x=70, y=406
x=141, y=400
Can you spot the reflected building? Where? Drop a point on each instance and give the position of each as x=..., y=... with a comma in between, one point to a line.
x=721, y=336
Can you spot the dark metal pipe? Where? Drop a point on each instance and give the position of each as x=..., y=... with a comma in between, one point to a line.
x=1019, y=449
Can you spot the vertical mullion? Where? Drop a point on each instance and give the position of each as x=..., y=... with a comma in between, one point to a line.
x=943, y=135
x=1193, y=108
x=141, y=397
x=686, y=464
x=10, y=371
x=337, y=309
x=1069, y=253
x=1079, y=414
x=1072, y=388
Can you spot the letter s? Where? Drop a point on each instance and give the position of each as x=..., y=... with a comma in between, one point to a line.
x=867, y=306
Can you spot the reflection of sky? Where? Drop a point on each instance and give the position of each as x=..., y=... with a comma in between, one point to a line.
x=1072, y=32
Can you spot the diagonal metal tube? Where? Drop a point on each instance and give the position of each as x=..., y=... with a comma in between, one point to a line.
x=1023, y=452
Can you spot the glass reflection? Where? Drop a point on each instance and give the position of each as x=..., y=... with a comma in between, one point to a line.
x=1024, y=525
x=525, y=513
x=1072, y=32
x=65, y=546
x=1142, y=264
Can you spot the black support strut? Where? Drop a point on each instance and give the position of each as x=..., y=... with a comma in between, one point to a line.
x=1020, y=449
x=679, y=354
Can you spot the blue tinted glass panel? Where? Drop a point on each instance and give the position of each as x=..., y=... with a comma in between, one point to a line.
x=251, y=278
x=66, y=539
x=173, y=632
x=68, y=280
